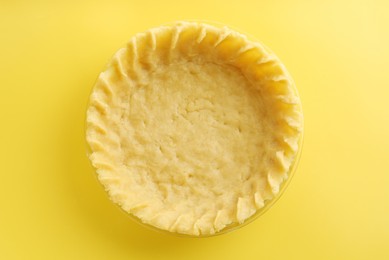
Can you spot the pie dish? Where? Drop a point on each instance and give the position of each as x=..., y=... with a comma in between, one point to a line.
x=193, y=128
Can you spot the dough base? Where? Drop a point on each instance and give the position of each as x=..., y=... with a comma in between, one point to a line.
x=187, y=134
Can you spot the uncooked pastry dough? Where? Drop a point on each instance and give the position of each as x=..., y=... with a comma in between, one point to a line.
x=193, y=127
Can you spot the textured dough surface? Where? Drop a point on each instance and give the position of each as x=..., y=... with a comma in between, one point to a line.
x=192, y=127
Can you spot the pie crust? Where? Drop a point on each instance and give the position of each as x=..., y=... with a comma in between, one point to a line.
x=193, y=128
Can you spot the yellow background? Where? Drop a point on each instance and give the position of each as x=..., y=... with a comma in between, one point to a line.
x=336, y=207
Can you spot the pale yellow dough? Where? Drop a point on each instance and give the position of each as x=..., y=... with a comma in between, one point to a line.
x=193, y=128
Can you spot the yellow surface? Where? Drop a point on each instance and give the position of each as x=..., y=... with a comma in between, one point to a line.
x=336, y=207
